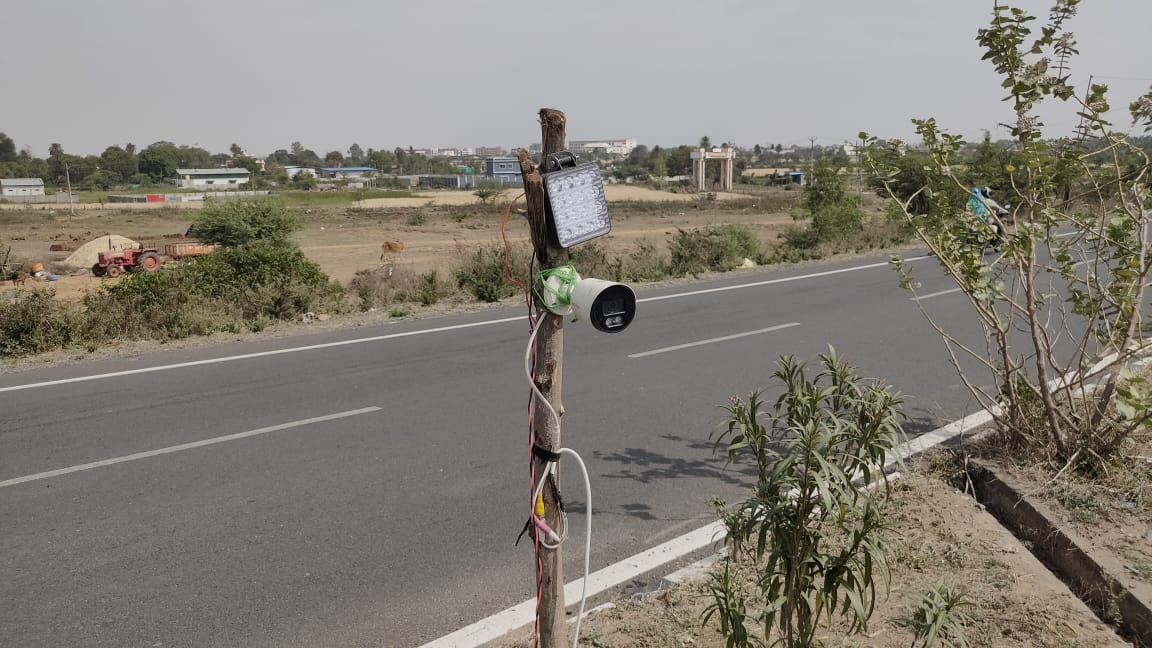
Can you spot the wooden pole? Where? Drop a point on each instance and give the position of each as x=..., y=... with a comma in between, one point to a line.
x=549, y=370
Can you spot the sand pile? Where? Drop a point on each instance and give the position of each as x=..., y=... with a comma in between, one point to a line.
x=86, y=255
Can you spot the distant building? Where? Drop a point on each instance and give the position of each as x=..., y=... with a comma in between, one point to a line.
x=611, y=147
x=348, y=173
x=294, y=170
x=19, y=187
x=212, y=178
x=504, y=169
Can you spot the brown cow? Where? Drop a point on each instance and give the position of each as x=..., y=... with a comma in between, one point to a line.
x=392, y=247
x=18, y=278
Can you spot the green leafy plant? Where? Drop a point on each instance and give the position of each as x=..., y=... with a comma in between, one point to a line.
x=813, y=527
x=939, y=616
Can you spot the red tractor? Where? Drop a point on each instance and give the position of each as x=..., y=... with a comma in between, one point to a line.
x=113, y=262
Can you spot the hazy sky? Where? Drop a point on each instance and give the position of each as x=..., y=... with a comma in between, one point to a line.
x=90, y=73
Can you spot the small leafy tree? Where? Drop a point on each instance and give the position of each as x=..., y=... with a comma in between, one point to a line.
x=814, y=536
x=1063, y=300
x=488, y=190
x=238, y=222
x=834, y=213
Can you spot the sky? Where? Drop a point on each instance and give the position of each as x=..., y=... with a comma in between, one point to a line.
x=454, y=73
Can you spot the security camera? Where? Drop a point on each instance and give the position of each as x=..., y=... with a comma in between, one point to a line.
x=608, y=305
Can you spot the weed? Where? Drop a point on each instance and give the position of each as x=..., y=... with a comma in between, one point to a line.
x=416, y=219
x=939, y=615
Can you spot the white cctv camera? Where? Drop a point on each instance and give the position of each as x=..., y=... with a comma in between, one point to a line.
x=608, y=305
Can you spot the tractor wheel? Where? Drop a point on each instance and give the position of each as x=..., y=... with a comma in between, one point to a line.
x=113, y=271
x=99, y=270
x=149, y=261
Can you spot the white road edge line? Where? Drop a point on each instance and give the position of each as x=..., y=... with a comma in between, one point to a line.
x=769, y=282
x=518, y=616
x=713, y=340
x=935, y=294
x=186, y=446
x=440, y=329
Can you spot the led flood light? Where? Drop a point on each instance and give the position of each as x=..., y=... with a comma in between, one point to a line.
x=576, y=199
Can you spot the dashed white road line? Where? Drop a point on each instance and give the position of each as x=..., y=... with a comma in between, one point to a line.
x=935, y=294
x=713, y=340
x=186, y=446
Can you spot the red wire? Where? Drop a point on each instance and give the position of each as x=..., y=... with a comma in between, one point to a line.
x=508, y=260
x=531, y=412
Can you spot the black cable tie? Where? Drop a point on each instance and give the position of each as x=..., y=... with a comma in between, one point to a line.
x=556, y=492
x=545, y=455
x=527, y=525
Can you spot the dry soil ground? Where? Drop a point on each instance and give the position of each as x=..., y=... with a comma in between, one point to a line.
x=433, y=227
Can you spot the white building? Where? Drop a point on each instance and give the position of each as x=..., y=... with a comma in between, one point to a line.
x=292, y=171
x=211, y=178
x=611, y=146
x=20, y=187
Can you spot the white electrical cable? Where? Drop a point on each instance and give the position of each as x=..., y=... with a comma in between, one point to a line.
x=549, y=468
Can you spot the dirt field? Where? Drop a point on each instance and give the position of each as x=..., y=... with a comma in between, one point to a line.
x=434, y=228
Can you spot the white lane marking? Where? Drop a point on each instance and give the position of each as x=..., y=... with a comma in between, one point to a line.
x=714, y=340
x=517, y=616
x=260, y=354
x=440, y=329
x=935, y=294
x=1066, y=234
x=500, y=624
x=769, y=282
x=186, y=446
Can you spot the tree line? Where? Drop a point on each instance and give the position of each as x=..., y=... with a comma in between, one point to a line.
x=157, y=163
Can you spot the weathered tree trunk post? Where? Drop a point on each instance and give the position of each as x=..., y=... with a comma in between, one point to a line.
x=548, y=368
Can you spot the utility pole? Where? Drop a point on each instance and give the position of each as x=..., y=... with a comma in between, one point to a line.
x=548, y=370
x=68, y=180
x=811, y=151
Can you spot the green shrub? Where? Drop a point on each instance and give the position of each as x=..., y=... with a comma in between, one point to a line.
x=481, y=271
x=592, y=260
x=35, y=322
x=416, y=219
x=644, y=263
x=718, y=247
x=430, y=289
x=235, y=222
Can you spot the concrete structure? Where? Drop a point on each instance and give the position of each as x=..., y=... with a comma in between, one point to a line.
x=611, y=146
x=21, y=187
x=348, y=173
x=294, y=170
x=504, y=169
x=724, y=154
x=212, y=178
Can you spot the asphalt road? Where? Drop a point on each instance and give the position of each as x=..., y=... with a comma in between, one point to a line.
x=393, y=526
